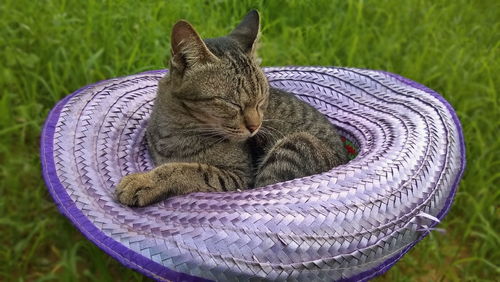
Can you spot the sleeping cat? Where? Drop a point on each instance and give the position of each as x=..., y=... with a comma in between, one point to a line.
x=217, y=125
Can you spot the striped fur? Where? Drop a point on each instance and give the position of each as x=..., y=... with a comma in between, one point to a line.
x=217, y=126
x=295, y=140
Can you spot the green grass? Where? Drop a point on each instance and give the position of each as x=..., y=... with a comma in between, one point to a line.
x=50, y=48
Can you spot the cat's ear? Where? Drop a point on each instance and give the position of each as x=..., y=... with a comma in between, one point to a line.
x=188, y=49
x=247, y=31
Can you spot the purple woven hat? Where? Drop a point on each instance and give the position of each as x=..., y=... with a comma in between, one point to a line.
x=351, y=223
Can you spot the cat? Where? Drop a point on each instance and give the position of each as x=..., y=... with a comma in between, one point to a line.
x=217, y=125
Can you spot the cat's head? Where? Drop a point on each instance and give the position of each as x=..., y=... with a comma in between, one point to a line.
x=217, y=81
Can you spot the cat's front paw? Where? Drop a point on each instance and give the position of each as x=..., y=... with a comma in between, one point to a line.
x=137, y=189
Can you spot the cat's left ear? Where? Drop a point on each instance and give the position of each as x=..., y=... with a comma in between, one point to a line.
x=247, y=31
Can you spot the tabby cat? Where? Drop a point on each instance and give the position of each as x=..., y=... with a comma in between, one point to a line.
x=217, y=125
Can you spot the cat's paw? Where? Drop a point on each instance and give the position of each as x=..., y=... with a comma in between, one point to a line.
x=137, y=190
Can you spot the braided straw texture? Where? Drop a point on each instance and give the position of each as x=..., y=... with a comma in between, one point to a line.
x=351, y=223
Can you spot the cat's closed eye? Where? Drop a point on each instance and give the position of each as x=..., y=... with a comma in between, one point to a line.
x=230, y=103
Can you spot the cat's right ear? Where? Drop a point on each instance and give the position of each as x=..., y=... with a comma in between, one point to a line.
x=247, y=32
x=188, y=49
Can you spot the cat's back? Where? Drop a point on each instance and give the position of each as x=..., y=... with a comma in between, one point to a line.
x=295, y=114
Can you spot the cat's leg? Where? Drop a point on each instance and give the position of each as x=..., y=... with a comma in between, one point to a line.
x=296, y=155
x=141, y=189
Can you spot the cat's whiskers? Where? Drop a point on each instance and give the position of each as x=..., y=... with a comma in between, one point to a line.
x=220, y=140
x=272, y=129
x=273, y=120
x=265, y=134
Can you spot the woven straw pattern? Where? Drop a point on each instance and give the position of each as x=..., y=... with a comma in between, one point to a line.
x=342, y=224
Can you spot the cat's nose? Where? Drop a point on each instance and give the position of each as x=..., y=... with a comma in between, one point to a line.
x=252, y=127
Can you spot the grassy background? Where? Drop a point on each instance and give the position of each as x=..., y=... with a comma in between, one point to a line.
x=50, y=48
